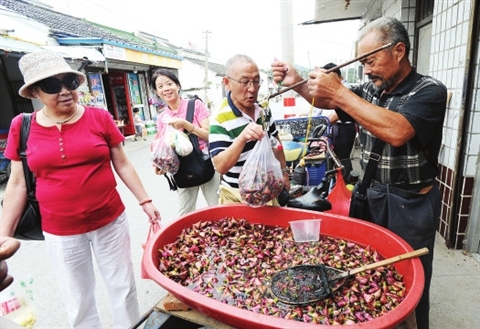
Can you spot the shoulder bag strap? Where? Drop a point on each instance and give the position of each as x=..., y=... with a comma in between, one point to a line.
x=190, y=109
x=189, y=118
x=25, y=130
x=375, y=155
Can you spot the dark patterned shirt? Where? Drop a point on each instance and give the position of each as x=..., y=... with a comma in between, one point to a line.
x=422, y=101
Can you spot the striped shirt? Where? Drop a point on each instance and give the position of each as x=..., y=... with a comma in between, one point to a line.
x=226, y=124
x=422, y=101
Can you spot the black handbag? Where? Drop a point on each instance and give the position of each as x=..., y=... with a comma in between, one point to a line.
x=30, y=225
x=358, y=202
x=196, y=168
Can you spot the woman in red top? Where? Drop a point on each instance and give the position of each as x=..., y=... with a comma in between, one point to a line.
x=71, y=149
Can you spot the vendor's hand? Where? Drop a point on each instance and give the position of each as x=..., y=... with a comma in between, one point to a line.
x=285, y=72
x=324, y=87
x=8, y=247
x=252, y=132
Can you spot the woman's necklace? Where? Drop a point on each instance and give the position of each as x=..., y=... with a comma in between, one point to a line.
x=61, y=121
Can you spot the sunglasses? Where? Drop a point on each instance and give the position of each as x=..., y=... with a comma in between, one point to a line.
x=54, y=86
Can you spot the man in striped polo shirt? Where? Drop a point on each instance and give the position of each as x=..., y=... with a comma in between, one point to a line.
x=238, y=125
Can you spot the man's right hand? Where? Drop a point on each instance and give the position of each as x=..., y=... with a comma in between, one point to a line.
x=285, y=72
x=252, y=132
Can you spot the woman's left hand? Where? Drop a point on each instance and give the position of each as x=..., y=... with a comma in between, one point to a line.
x=152, y=212
x=159, y=171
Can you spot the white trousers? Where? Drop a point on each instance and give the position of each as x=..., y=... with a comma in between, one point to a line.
x=72, y=262
x=187, y=197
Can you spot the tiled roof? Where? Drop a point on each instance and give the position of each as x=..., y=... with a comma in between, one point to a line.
x=132, y=38
x=62, y=25
x=219, y=69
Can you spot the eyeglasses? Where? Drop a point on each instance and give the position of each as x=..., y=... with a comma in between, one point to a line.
x=53, y=85
x=245, y=83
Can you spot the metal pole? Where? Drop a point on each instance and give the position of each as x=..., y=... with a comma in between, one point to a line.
x=205, y=99
x=286, y=30
x=287, y=43
x=332, y=69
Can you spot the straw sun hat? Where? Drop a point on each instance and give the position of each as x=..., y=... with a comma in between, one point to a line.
x=40, y=65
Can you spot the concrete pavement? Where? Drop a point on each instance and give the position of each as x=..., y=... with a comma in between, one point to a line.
x=455, y=291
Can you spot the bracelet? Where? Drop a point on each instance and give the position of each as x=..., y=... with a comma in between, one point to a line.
x=286, y=169
x=145, y=201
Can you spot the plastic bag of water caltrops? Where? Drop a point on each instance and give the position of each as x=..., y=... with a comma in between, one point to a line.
x=162, y=154
x=16, y=304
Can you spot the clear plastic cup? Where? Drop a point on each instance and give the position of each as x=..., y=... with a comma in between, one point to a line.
x=305, y=230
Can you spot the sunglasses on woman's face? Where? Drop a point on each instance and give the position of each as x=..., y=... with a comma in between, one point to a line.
x=53, y=85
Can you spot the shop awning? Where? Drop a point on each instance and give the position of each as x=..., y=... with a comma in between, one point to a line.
x=114, y=50
x=327, y=11
x=78, y=53
x=9, y=45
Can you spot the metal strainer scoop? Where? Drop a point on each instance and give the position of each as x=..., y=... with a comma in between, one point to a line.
x=304, y=284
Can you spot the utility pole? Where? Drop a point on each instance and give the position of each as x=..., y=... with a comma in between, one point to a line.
x=206, y=65
x=286, y=31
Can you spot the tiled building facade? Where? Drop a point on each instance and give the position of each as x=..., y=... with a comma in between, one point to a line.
x=453, y=58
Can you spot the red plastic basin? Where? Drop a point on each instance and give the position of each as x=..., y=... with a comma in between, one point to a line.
x=385, y=242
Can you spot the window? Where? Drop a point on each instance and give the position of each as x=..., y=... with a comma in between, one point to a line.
x=423, y=35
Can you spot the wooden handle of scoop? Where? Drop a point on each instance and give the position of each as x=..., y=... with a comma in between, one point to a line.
x=388, y=261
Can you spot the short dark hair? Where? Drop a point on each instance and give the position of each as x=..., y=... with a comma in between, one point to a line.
x=168, y=73
x=389, y=29
x=136, y=110
x=331, y=66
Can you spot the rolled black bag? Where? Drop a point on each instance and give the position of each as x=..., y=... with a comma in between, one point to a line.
x=359, y=203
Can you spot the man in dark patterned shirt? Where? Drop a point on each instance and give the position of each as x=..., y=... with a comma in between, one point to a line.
x=405, y=110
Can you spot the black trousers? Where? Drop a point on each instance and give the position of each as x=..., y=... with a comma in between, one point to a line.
x=415, y=218
x=343, y=139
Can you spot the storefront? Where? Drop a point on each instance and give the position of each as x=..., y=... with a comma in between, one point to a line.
x=119, y=91
x=126, y=95
x=120, y=83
